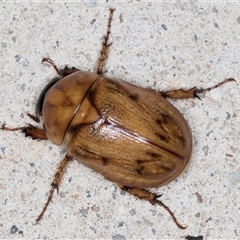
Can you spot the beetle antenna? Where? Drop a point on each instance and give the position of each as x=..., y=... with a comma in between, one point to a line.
x=105, y=44
x=50, y=61
x=55, y=184
x=62, y=72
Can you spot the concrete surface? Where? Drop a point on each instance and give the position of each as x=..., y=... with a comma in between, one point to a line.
x=159, y=45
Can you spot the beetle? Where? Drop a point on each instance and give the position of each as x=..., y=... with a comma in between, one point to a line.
x=131, y=135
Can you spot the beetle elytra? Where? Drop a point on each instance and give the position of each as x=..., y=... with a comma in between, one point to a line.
x=131, y=135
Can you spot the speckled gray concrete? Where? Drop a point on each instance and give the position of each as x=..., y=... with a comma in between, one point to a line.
x=164, y=46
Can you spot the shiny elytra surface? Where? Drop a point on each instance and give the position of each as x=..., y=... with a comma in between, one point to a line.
x=130, y=135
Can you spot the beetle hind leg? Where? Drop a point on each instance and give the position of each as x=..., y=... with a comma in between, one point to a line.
x=192, y=92
x=105, y=45
x=153, y=198
x=55, y=184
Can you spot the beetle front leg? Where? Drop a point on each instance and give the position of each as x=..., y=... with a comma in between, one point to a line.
x=55, y=184
x=153, y=198
x=192, y=92
x=29, y=131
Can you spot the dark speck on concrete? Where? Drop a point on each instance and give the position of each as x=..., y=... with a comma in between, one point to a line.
x=14, y=229
x=63, y=151
x=32, y=164
x=197, y=215
x=216, y=25
x=114, y=193
x=215, y=10
x=153, y=231
x=164, y=26
x=88, y=193
x=3, y=149
x=23, y=87
x=238, y=19
x=17, y=57
x=228, y=116
x=83, y=212
x=118, y=237
x=199, y=197
x=94, y=229
x=133, y=212
x=93, y=21
x=120, y=224
x=205, y=149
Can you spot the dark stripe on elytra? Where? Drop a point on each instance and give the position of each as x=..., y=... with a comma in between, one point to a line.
x=153, y=154
x=140, y=138
x=157, y=163
x=159, y=122
x=163, y=138
x=140, y=170
x=140, y=161
x=134, y=97
x=104, y=160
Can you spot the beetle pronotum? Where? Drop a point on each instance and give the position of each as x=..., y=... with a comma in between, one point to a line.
x=131, y=135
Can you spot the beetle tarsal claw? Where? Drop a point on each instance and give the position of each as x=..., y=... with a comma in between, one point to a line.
x=54, y=186
x=160, y=203
x=158, y=195
x=47, y=203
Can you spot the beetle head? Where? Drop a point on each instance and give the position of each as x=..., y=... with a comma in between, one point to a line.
x=39, y=104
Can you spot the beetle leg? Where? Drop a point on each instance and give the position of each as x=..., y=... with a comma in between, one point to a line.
x=62, y=72
x=105, y=45
x=153, y=198
x=34, y=118
x=34, y=132
x=55, y=184
x=192, y=92
x=30, y=131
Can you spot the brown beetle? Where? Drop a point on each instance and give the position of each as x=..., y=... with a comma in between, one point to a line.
x=131, y=135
